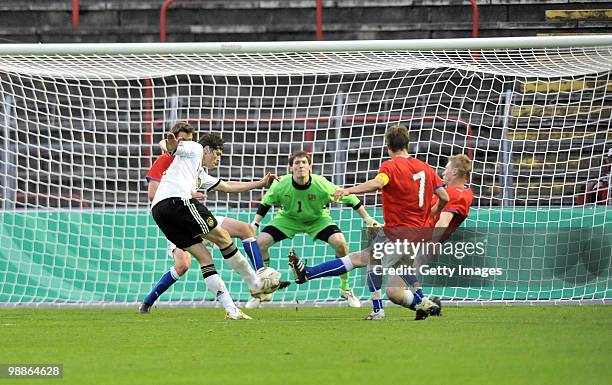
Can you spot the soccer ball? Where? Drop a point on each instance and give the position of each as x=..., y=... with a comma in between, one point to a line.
x=270, y=279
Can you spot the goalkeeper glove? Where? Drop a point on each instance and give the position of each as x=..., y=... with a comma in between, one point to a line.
x=371, y=222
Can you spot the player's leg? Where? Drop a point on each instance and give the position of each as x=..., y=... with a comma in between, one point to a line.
x=236, y=260
x=265, y=241
x=268, y=236
x=184, y=222
x=331, y=268
x=399, y=294
x=182, y=262
x=214, y=283
x=374, y=280
x=243, y=230
x=334, y=237
x=419, y=302
x=273, y=233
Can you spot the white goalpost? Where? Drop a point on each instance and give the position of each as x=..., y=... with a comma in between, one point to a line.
x=80, y=125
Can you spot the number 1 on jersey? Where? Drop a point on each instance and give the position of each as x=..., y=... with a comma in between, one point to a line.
x=420, y=176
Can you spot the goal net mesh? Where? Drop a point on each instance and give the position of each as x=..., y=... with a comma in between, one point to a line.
x=79, y=132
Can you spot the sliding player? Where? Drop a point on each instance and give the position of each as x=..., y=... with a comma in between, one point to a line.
x=304, y=199
x=407, y=185
x=456, y=177
x=180, y=217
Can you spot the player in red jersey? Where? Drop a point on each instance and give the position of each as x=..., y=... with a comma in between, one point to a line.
x=456, y=177
x=445, y=220
x=407, y=185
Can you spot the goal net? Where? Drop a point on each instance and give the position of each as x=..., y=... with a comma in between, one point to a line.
x=79, y=127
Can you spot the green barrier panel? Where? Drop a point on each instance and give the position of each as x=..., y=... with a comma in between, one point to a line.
x=116, y=256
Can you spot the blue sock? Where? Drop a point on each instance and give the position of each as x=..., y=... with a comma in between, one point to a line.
x=253, y=252
x=164, y=283
x=377, y=305
x=374, y=285
x=327, y=269
x=418, y=297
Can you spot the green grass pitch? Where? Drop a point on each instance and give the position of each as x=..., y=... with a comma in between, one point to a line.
x=468, y=345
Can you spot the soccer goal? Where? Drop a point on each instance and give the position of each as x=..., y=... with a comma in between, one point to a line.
x=80, y=126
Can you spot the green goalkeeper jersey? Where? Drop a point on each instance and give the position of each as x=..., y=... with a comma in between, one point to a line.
x=305, y=203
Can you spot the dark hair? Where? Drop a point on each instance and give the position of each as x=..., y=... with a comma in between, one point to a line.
x=214, y=141
x=299, y=154
x=397, y=137
x=182, y=127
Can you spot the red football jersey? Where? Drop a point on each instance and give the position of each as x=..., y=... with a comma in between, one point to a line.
x=406, y=198
x=460, y=200
x=158, y=168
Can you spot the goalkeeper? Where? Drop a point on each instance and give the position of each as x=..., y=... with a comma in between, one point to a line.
x=304, y=199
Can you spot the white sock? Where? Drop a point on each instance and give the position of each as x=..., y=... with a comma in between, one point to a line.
x=348, y=264
x=215, y=284
x=239, y=263
x=408, y=298
x=376, y=294
x=174, y=273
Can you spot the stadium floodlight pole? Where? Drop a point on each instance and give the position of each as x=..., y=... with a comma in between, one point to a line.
x=306, y=46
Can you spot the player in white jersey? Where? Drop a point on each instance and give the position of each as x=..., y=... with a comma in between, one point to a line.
x=185, y=221
x=182, y=259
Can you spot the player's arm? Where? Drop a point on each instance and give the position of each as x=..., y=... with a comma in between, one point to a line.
x=262, y=210
x=442, y=224
x=230, y=186
x=152, y=189
x=438, y=183
x=370, y=186
x=184, y=148
x=162, y=145
x=443, y=198
x=170, y=143
x=154, y=176
x=435, y=209
x=445, y=219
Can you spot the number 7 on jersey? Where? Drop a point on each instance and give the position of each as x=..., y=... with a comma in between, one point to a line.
x=420, y=176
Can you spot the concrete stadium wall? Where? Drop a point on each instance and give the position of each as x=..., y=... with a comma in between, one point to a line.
x=268, y=20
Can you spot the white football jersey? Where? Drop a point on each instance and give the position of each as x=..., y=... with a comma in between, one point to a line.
x=185, y=175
